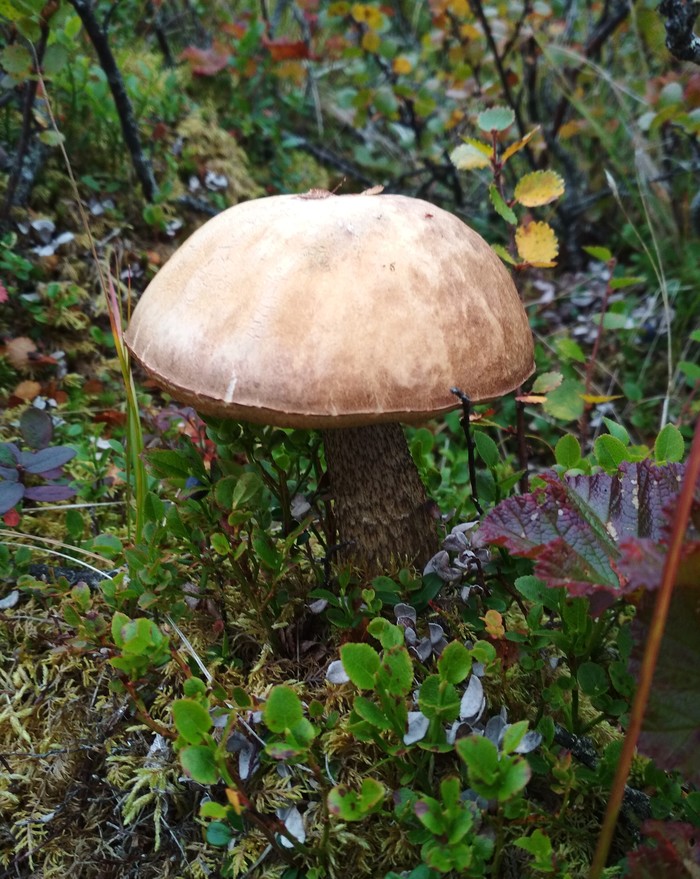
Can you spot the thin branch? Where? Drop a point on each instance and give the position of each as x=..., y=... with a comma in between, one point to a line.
x=130, y=131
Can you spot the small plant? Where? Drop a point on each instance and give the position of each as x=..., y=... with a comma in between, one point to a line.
x=35, y=474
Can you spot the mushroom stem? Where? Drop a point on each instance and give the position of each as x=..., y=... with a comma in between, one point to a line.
x=382, y=508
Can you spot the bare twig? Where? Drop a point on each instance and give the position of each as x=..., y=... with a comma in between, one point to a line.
x=130, y=131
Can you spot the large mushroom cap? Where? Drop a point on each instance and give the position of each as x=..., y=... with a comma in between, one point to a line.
x=319, y=310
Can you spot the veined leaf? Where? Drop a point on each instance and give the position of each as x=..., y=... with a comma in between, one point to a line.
x=573, y=527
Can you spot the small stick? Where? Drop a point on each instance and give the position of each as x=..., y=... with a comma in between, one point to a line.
x=466, y=410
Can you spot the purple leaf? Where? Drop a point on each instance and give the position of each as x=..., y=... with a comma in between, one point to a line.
x=9, y=455
x=49, y=492
x=9, y=473
x=37, y=427
x=572, y=528
x=674, y=854
x=46, y=459
x=11, y=493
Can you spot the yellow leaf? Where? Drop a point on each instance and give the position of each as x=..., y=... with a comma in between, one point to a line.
x=494, y=624
x=531, y=398
x=593, y=398
x=234, y=800
x=371, y=41
x=518, y=145
x=537, y=244
x=469, y=32
x=401, y=65
x=538, y=188
x=363, y=13
x=468, y=157
x=459, y=7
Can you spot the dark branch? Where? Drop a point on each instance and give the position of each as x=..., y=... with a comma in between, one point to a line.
x=130, y=131
x=681, y=41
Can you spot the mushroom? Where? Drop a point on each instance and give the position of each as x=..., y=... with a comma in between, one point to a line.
x=348, y=314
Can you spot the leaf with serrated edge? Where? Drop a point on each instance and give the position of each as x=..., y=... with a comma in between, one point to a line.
x=466, y=157
x=495, y=119
x=537, y=244
x=572, y=528
x=539, y=188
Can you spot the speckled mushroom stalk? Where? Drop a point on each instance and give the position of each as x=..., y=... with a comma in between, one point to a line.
x=348, y=314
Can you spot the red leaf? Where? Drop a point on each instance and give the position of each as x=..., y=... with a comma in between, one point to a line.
x=206, y=62
x=11, y=518
x=675, y=854
x=572, y=528
x=4, y=295
x=284, y=49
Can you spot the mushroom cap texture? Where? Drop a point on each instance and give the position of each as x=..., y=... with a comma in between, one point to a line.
x=322, y=311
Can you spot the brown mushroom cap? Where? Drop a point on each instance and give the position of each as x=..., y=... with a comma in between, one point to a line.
x=323, y=311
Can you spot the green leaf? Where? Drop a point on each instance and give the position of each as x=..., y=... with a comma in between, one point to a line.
x=439, y=699
x=610, y=452
x=266, y=551
x=283, y=709
x=592, y=679
x=199, y=763
x=514, y=779
x=617, y=430
x=513, y=736
x=602, y=254
x=546, y=382
x=361, y=663
x=16, y=59
x=219, y=834
x=505, y=255
x=669, y=446
x=219, y=543
x=500, y=206
x=194, y=687
x=621, y=283
x=192, y=720
x=567, y=349
x=567, y=451
x=395, y=674
x=385, y=632
x=487, y=448
x=372, y=713
x=119, y=622
x=565, y=402
x=211, y=809
x=495, y=119
x=350, y=806
x=54, y=60
x=455, y=662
